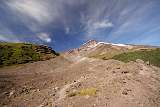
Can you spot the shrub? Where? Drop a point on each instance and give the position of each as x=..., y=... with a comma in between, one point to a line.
x=84, y=92
x=88, y=91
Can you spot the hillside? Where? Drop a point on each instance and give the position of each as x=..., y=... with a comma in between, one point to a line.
x=150, y=56
x=96, y=74
x=20, y=53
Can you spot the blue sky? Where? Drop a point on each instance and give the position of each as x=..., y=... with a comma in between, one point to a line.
x=66, y=24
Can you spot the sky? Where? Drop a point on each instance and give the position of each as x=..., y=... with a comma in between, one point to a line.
x=66, y=24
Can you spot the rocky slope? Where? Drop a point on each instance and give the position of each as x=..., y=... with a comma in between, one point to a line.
x=75, y=79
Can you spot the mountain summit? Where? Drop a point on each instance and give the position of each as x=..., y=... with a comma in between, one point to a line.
x=90, y=43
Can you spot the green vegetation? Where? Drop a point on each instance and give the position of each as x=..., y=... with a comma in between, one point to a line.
x=20, y=53
x=83, y=92
x=153, y=56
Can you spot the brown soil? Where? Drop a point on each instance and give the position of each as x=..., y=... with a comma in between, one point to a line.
x=50, y=84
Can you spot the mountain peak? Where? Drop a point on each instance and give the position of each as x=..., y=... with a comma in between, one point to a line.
x=90, y=43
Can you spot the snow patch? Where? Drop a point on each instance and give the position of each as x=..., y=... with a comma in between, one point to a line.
x=93, y=46
x=122, y=45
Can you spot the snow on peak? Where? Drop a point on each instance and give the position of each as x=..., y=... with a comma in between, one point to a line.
x=119, y=44
x=92, y=44
x=122, y=45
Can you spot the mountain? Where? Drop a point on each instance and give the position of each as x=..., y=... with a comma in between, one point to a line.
x=97, y=74
x=105, y=50
x=20, y=53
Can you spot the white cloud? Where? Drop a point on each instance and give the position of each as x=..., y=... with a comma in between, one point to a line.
x=133, y=20
x=38, y=10
x=96, y=17
x=93, y=26
x=36, y=15
x=67, y=30
x=103, y=24
x=44, y=37
x=39, y=14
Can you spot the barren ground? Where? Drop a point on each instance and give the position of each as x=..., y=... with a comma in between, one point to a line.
x=54, y=83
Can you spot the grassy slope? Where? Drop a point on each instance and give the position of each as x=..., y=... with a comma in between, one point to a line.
x=153, y=56
x=19, y=53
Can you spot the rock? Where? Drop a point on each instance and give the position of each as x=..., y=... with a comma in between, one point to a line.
x=56, y=88
x=75, y=81
x=52, y=82
x=6, y=93
x=79, y=84
x=25, y=90
x=139, y=61
x=94, y=105
x=44, y=84
x=38, y=90
x=125, y=91
x=148, y=63
x=11, y=93
x=118, y=68
x=125, y=72
x=87, y=96
x=74, y=91
x=141, y=68
x=53, y=94
x=124, y=82
x=113, y=72
x=44, y=104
